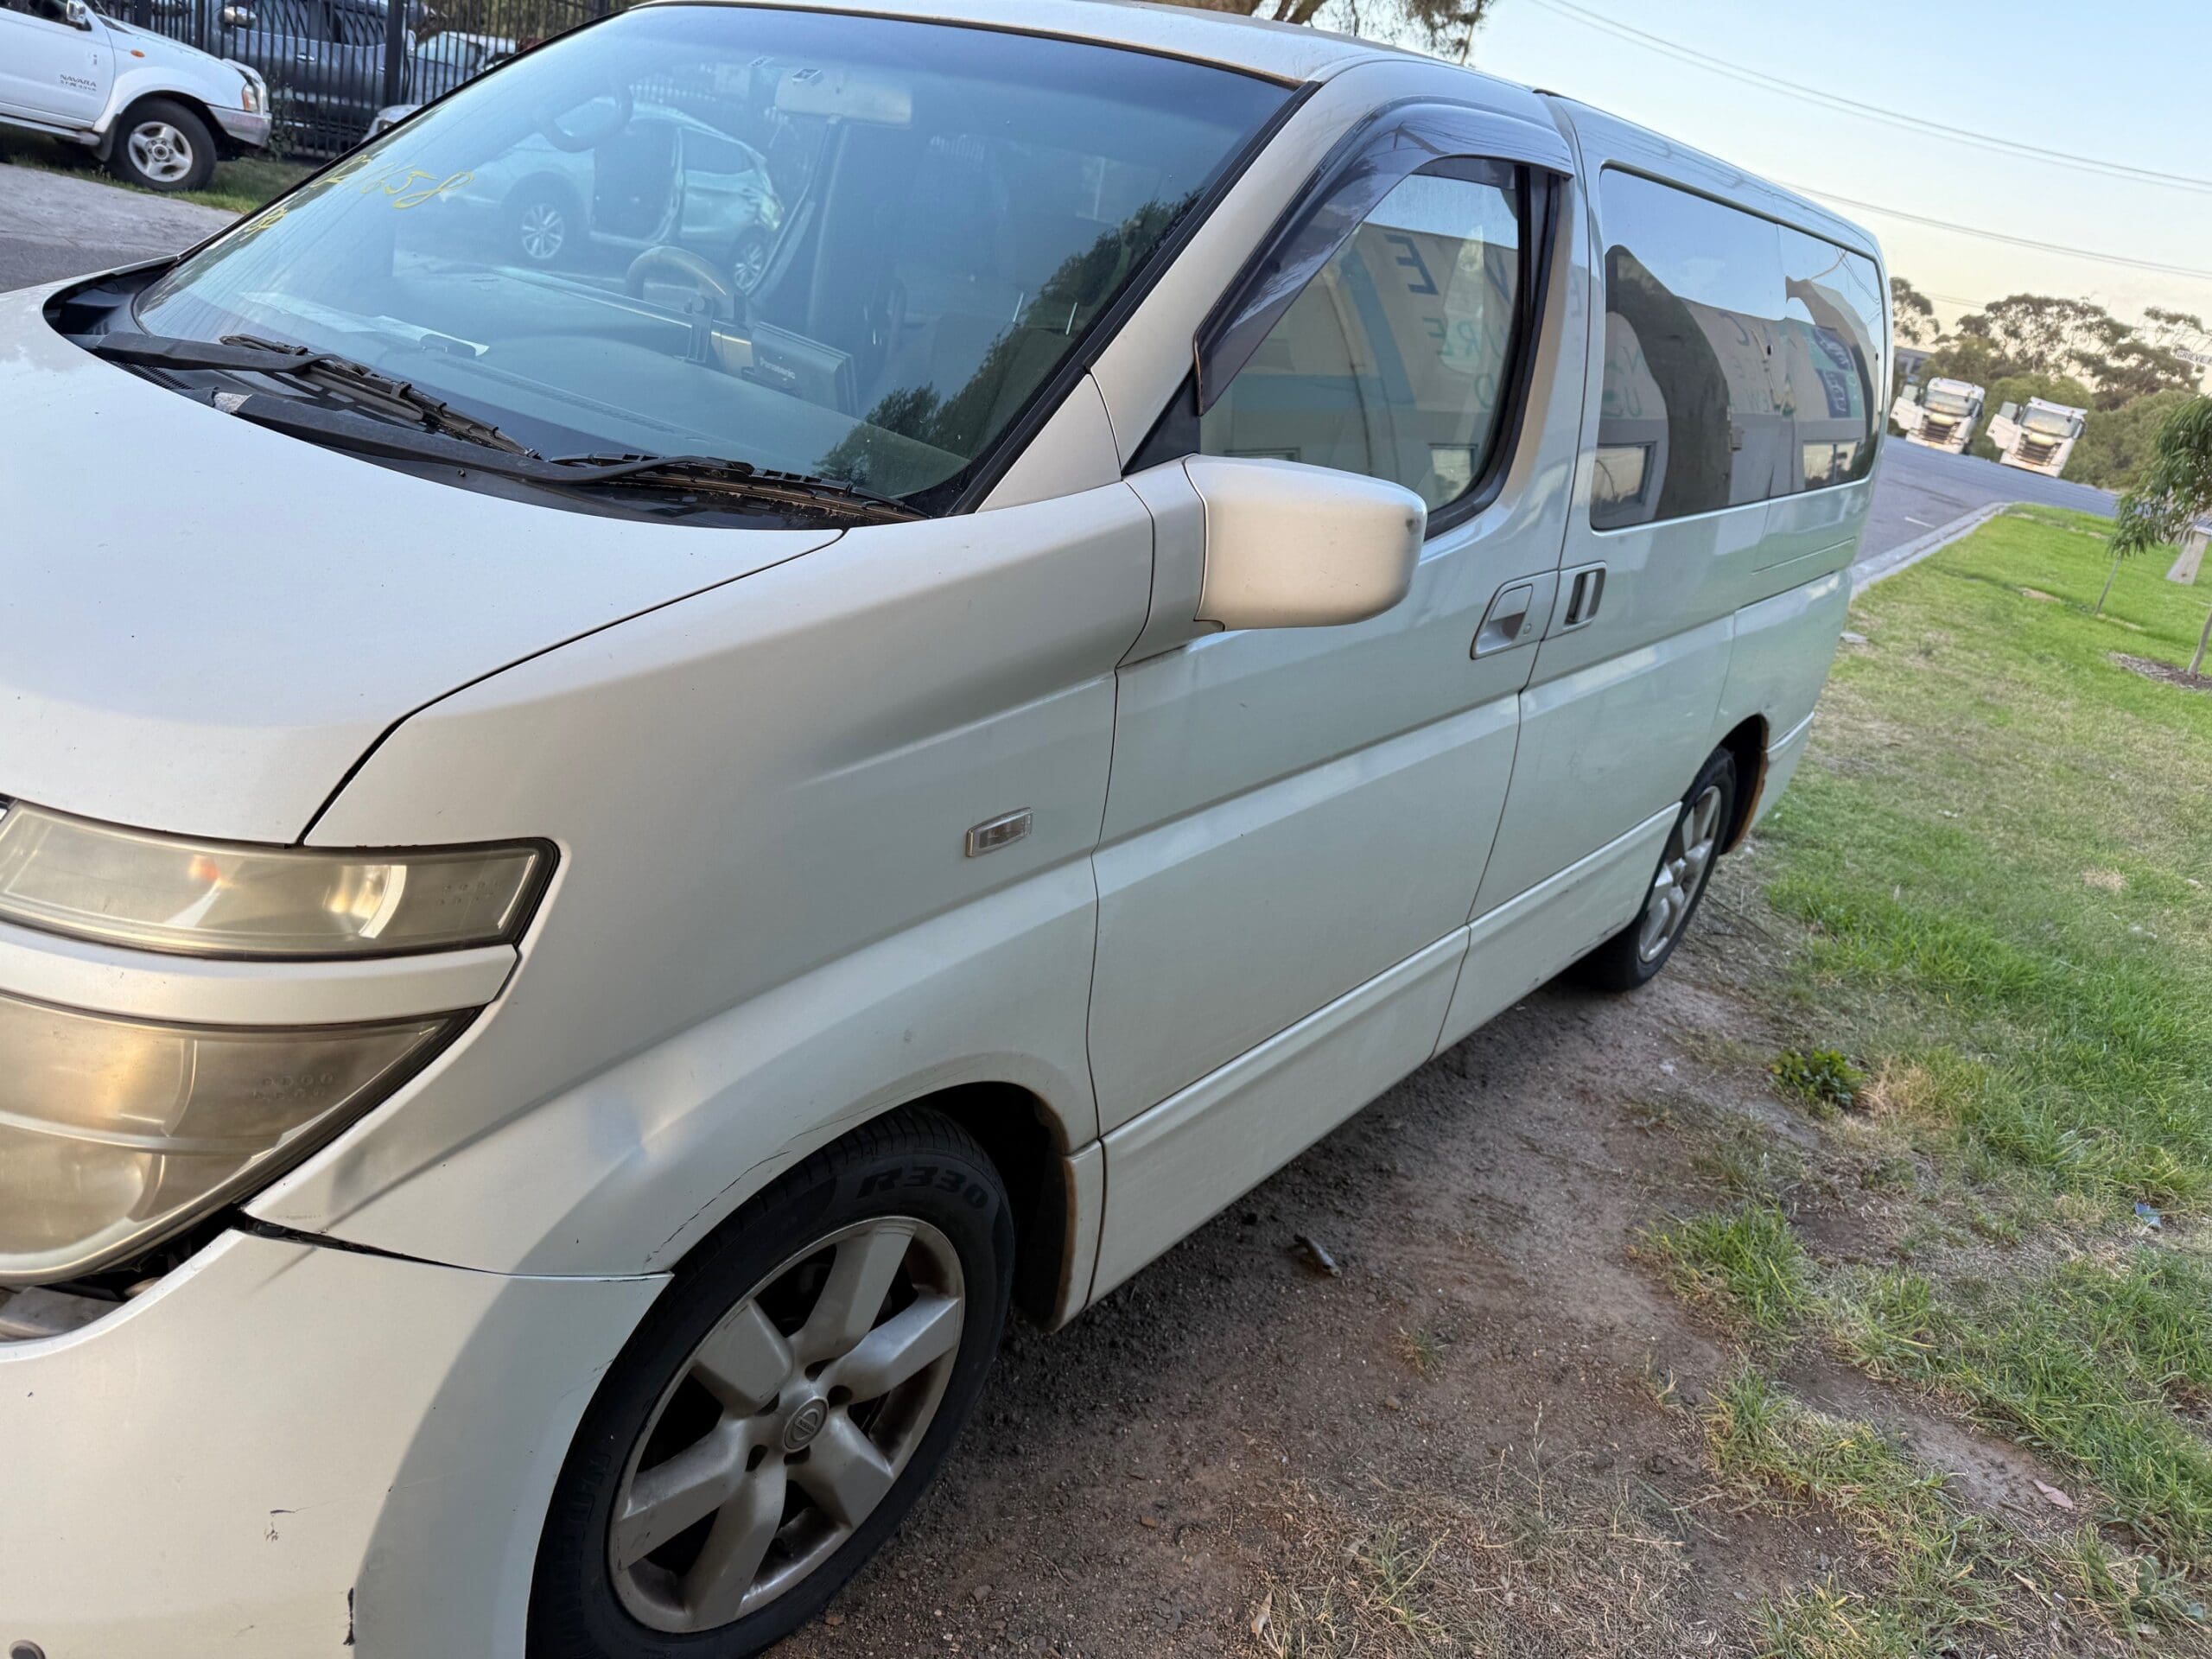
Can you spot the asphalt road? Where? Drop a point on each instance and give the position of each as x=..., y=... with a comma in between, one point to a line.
x=54, y=225
x=57, y=225
x=1918, y=490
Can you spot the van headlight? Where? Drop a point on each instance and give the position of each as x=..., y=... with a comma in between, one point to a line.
x=113, y=1131
x=215, y=899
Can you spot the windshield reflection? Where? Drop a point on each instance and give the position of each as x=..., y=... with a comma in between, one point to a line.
x=846, y=246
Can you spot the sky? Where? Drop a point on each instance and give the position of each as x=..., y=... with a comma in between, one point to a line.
x=2128, y=81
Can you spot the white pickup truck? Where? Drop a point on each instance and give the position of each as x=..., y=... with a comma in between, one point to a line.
x=160, y=113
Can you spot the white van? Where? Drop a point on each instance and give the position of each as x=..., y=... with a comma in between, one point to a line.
x=614, y=863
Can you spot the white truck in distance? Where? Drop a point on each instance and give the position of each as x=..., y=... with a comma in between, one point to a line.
x=1942, y=416
x=160, y=113
x=2037, y=439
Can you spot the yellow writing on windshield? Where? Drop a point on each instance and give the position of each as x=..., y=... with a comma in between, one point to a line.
x=405, y=187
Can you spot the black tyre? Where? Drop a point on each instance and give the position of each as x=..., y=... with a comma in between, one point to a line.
x=1638, y=951
x=163, y=146
x=785, y=1403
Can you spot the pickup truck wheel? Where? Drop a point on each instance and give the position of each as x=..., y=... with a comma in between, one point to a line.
x=163, y=146
x=1638, y=951
x=783, y=1405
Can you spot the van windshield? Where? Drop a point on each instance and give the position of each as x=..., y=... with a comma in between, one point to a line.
x=846, y=246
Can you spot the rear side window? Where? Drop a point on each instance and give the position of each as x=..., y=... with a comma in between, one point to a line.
x=1743, y=357
x=355, y=29
x=290, y=17
x=1395, y=360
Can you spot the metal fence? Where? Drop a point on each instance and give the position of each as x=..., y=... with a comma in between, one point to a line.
x=331, y=64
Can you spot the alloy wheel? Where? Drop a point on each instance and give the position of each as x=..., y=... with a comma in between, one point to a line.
x=750, y=265
x=1683, y=870
x=543, y=229
x=787, y=1426
x=161, y=151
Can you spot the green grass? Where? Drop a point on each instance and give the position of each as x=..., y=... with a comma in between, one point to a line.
x=2000, y=855
x=1746, y=1265
x=1823, y=1078
x=238, y=187
x=1941, y=1569
x=1935, y=1555
x=1992, y=853
x=2098, y=1365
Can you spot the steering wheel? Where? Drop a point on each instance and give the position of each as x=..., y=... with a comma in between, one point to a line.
x=673, y=262
x=591, y=123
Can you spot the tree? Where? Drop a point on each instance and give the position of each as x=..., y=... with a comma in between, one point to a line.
x=2115, y=444
x=1445, y=27
x=2035, y=334
x=1967, y=357
x=2177, y=331
x=2137, y=368
x=2173, y=493
x=1915, y=313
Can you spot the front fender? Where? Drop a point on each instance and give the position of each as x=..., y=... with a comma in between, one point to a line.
x=768, y=924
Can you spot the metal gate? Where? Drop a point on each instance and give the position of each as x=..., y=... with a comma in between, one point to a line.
x=331, y=64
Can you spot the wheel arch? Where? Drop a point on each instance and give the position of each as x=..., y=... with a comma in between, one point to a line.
x=127, y=111
x=544, y=183
x=1746, y=746
x=1027, y=1142
x=1023, y=1137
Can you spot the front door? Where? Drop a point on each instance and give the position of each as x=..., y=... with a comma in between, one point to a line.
x=50, y=69
x=1294, y=813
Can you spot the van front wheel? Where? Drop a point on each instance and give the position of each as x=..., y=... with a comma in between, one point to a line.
x=1638, y=951
x=783, y=1406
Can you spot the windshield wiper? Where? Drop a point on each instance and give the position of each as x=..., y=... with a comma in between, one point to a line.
x=446, y=435
x=694, y=476
x=717, y=474
x=247, y=355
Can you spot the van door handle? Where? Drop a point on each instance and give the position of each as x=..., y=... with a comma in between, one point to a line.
x=1585, y=591
x=1507, y=616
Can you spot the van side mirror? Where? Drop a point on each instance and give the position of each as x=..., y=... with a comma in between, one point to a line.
x=76, y=13
x=1245, y=544
x=1293, y=546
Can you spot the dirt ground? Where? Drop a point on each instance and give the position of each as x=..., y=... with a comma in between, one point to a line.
x=1480, y=1437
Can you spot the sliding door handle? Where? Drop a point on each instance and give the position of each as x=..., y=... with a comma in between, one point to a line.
x=1585, y=591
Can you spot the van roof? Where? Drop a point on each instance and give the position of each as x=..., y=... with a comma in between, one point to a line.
x=1668, y=158
x=1285, y=52
x=1296, y=53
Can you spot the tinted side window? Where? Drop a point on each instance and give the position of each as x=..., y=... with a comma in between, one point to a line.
x=1833, y=367
x=290, y=17
x=357, y=29
x=1742, y=359
x=1395, y=360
